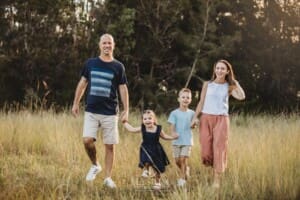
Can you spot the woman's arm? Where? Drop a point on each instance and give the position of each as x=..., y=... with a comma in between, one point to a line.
x=200, y=104
x=238, y=91
x=131, y=128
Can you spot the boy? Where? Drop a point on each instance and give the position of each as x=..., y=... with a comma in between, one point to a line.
x=180, y=123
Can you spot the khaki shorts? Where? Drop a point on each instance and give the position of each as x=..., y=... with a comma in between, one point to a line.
x=182, y=150
x=107, y=123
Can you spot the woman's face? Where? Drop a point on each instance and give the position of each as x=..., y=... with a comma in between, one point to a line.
x=221, y=70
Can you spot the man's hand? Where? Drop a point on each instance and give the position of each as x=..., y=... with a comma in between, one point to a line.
x=75, y=110
x=124, y=116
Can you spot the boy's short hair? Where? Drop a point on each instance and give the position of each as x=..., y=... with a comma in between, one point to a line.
x=184, y=90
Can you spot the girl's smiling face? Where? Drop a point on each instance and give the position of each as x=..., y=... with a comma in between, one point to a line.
x=148, y=120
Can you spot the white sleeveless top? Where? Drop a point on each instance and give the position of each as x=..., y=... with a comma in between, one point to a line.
x=216, y=99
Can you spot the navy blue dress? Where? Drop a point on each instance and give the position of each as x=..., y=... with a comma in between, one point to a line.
x=152, y=152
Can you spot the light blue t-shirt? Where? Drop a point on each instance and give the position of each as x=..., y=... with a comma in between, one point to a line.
x=182, y=121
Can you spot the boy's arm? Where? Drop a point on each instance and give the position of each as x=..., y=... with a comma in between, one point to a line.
x=163, y=135
x=131, y=128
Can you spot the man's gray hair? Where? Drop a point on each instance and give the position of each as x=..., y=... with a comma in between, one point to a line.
x=107, y=35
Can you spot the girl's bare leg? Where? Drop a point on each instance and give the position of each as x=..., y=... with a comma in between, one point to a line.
x=157, y=178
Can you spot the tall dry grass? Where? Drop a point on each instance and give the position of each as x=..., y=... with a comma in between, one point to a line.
x=42, y=157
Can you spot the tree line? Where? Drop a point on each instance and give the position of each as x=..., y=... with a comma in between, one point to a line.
x=164, y=44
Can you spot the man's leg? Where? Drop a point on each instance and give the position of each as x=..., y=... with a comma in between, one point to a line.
x=90, y=129
x=90, y=149
x=109, y=159
x=91, y=152
x=110, y=138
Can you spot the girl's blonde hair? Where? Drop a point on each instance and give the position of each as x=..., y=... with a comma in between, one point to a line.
x=150, y=112
x=229, y=77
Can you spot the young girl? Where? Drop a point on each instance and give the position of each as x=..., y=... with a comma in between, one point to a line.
x=151, y=151
x=214, y=120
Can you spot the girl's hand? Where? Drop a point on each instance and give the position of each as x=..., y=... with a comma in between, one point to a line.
x=130, y=128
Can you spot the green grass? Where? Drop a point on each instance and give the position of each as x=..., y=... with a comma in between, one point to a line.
x=42, y=157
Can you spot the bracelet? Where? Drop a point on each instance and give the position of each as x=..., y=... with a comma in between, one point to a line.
x=124, y=121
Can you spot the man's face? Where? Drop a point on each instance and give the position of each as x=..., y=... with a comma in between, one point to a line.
x=107, y=45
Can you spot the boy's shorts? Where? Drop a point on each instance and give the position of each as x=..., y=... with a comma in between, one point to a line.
x=107, y=123
x=182, y=150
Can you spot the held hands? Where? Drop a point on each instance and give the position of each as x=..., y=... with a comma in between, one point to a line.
x=175, y=136
x=194, y=123
x=124, y=116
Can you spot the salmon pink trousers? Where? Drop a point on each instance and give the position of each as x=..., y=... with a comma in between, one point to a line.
x=214, y=132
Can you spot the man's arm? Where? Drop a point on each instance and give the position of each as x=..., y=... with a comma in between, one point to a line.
x=81, y=86
x=125, y=101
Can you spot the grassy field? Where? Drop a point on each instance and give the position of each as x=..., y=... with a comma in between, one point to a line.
x=42, y=157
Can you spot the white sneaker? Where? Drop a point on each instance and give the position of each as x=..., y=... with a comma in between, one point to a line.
x=157, y=186
x=181, y=182
x=145, y=174
x=109, y=183
x=94, y=170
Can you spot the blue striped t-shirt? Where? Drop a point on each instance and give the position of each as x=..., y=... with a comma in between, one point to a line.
x=104, y=79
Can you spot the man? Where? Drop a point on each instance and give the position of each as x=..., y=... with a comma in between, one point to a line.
x=103, y=76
